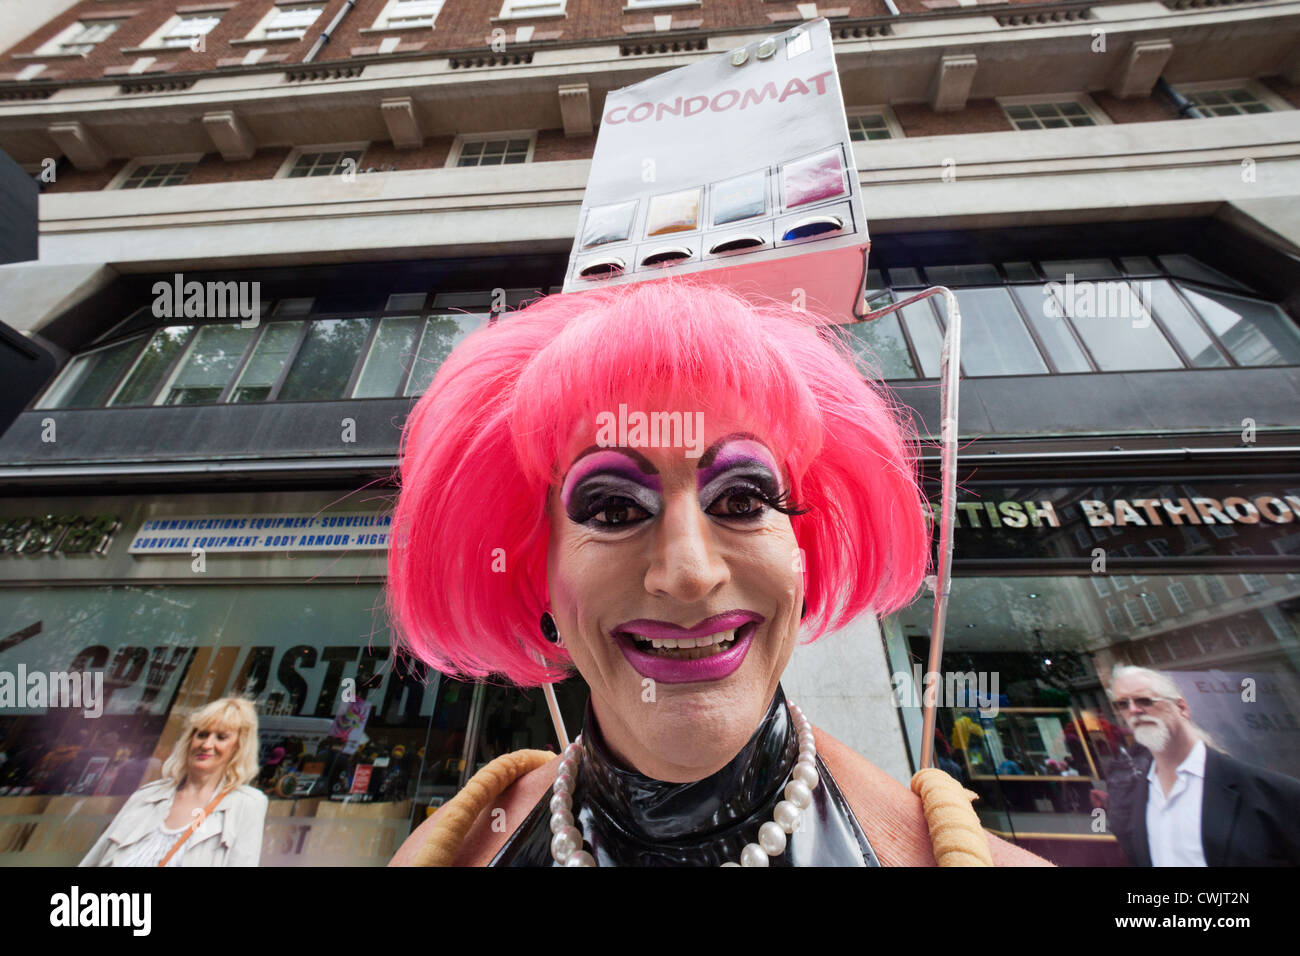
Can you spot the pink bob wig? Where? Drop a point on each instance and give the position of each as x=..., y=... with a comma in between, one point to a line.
x=482, y=448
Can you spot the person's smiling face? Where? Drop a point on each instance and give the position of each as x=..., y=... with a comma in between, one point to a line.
x=649, y=543
x=212, y=749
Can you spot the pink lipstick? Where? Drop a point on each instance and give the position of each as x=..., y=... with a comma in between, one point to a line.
x=709, y=651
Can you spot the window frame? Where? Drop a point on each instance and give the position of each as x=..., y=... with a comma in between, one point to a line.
x=1275, y=103
x=508, y=13
x=144, y=336
x=53, y=47
x=129, y=169
x=453, y=155
x=259, y=32
x=155, y=40
x=1082, y=99
x=886, y=112
x=381, y=21
x=884, y=290
x=298, y=151
x=636, y=6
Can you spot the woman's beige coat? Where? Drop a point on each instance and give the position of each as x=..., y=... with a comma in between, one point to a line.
x=231, y=836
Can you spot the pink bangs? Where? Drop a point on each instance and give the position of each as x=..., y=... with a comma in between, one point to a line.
x=467, y=567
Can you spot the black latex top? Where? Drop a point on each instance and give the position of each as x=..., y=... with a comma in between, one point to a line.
x=628, y=819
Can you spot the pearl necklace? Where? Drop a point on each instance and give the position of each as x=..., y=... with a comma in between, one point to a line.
x=566, y=845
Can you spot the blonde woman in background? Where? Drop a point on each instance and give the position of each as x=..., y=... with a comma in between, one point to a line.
x=202, y=797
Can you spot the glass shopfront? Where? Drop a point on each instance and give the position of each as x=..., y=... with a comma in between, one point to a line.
x=1197, y=578
x=355, y=747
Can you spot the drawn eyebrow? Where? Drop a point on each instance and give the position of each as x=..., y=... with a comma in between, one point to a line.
x=709, y=455
x=641, y=460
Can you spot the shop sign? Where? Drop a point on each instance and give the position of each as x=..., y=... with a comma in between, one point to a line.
x=262, y=533
x=57, y=534
x=1185, y=518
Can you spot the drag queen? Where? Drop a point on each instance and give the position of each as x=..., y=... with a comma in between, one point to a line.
x=660, y=485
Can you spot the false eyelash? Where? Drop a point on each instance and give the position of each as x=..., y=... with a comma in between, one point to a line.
x=783, y=504
x=779, y=503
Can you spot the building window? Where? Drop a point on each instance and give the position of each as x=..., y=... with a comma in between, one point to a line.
x=1182, y=600
x=209, y=362
x=1100, y=585
x=146, y=175
x=1233, y=101
x=323, y=162
x=88, y=379
x=80, y=38
x=873, y=124
x=1254, y=583
x=1115, y=619
x=303, y=351
x=286, y=22
x=532, y=8
x=1078, y=315
x=187, y=28
x=408, y=14
x=1151, y=600
x=1215, y=592
x=1161, y=547
x=1057, y=114
x=1134, y=612
x=499, y=149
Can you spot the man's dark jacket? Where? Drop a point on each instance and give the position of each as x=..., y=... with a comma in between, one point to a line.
x=1249, y=816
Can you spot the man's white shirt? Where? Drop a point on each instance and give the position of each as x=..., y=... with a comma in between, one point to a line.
x=1174, y=821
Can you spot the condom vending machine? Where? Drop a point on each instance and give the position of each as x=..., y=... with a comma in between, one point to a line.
x=741, y=165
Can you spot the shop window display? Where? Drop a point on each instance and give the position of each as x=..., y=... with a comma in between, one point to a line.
x=1026, y=717
x=354, y=748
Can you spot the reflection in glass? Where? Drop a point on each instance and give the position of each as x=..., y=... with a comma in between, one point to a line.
x=441, y=334
x=1255, y=332
x=1025, y=716
x=927, y=338
x=266, y=362
x=324, y=363
x=152, y=365
x=86, y=381
x=994, y=339
x=1180, y=322
x=880, y=346
x=1053, y=330
x=389, y=358
x=1117, y=328
x=208, y=365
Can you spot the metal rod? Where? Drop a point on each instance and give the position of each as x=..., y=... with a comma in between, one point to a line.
x=949, y=388
x=1186, y=108
x=329, y=30
x=556, y=718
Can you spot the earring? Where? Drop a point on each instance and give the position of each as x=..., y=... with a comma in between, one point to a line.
x=804, y=613
x=549, y=630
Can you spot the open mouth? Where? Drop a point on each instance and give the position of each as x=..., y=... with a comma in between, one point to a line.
x=690, y=648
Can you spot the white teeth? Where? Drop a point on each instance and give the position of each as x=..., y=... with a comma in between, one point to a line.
x=683, y=643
